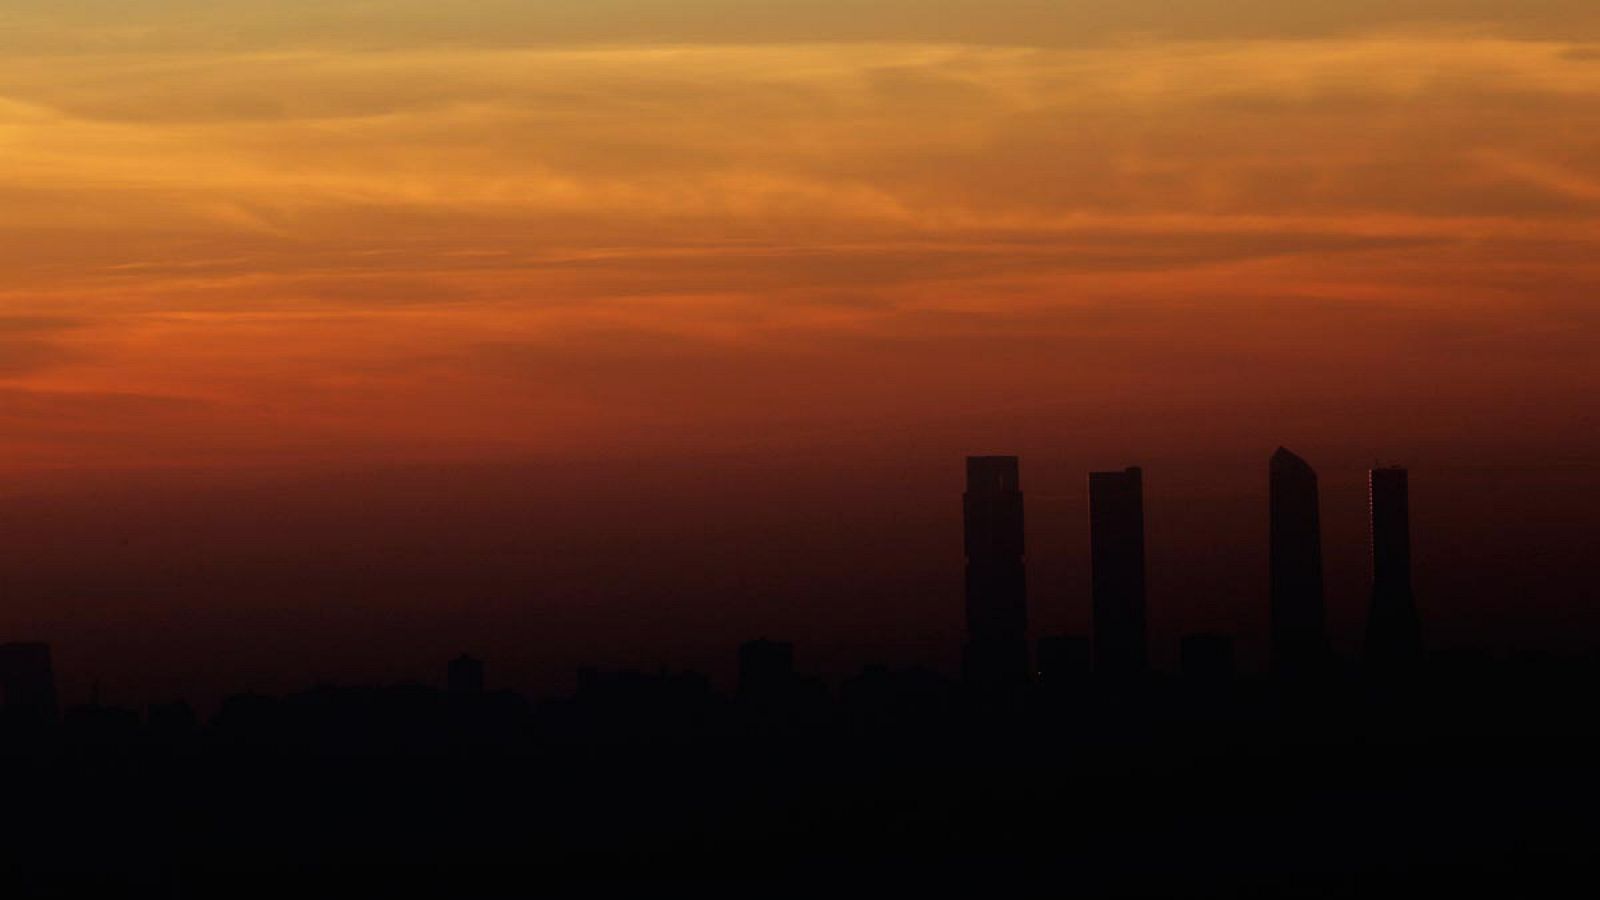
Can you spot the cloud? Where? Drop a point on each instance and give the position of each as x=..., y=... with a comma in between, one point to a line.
x=428, y=248
x=606, y=145
x=44, y=25
x=28, y=343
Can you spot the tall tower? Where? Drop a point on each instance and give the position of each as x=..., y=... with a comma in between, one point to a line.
x=1116, y=547
x=997, y=592
x=1394, y=631
x=1299, y=618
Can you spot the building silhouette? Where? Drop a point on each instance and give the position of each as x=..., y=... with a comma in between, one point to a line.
x=996, y=580
x=1394, y=631
x=171, y=720
x=27, y=682
x=766, y=669
x=1299, y=619
x=465, y=676
x=1116, y=544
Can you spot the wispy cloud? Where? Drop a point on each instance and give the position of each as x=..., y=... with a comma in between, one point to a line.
x=414, y=244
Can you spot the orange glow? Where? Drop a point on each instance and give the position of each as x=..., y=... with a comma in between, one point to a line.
x=304, y=251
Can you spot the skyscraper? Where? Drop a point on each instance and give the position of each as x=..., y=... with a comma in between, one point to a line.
x=1116, y=545
x=1394, y=631
x=996, y=584
x=1299, y=618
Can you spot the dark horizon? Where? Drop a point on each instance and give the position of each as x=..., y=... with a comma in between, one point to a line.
x=1395, y=771
x=800, y=576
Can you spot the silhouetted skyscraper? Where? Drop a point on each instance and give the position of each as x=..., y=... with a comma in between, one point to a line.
x=997, y=607
x=465, y=676
x=27, y=682
x=1299, y=619
x=1116, y=544
x=1394, y=631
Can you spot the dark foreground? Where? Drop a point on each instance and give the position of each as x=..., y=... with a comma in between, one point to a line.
x=1478, y=776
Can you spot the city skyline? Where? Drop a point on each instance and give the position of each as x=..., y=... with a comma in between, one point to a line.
x=420, y=322
x=521, y=447
x=998, y=652
x=1223, y=592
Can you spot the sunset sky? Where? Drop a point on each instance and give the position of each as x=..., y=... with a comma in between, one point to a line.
x=306, y=237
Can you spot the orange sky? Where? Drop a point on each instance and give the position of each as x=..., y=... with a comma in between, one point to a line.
x=275, y=234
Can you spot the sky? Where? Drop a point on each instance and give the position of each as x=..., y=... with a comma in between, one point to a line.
x=292, y=291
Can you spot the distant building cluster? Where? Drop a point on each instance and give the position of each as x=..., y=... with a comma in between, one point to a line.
x=1069, y=761
x=997, y=656
x=996, y=586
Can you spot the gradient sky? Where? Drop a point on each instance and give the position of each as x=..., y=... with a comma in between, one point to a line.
x=826, y=240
